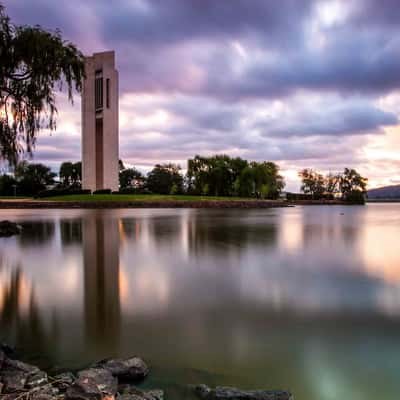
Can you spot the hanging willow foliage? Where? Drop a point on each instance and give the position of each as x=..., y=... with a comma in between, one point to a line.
x=34, y=64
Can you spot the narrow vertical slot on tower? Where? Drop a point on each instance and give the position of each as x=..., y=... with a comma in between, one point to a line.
x=99, y=154
x=98, y=90
x=107, y=93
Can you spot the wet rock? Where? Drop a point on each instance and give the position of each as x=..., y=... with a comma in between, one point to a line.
x=37, y=379
x=8, y=228
x=202, y=390
x=10, y=364
x=83, y=389
x=43, y=392
x=130, y=369
x=11, y=396
x=13, y=380
x=42, y=396
x=230, y=393
x=133, y=393
x=63, y=381
x=14, y=374
x=102, y=378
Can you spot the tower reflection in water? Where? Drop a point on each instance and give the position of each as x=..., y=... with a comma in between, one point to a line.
x=102, y=309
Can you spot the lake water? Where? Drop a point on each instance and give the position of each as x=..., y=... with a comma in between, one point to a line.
x=304, y=298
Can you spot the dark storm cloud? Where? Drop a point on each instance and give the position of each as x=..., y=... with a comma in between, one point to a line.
x=160, y=23
x=337, y=120
x=158, y=43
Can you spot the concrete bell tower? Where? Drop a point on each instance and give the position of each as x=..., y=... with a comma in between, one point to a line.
x=100, y=123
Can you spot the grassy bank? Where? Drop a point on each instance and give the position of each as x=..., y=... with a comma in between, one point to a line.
x=140, y=197
x=141, y=201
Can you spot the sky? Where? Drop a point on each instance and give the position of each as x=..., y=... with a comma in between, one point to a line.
x=307, y=84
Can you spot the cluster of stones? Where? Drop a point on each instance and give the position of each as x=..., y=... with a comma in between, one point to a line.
x=8, y=228
x=112, y=379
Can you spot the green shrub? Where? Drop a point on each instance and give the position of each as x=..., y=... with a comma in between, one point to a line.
x=102, y=191
x=61, y=192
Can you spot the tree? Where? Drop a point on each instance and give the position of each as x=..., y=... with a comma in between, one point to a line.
x=71, y=173
x=352, y=185
x=312, y=182
x=7, y=185
x=32, y=178
x=332, y=183
x=221, y=175
x=128, y=176
x=33, y=62
x=261, y=179
x=165, y=179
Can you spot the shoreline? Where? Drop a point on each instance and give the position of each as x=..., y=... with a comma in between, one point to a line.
x=105, y=204
x=108, y=379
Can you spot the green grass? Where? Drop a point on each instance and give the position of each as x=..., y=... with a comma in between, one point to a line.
x=13, y=197
x=139, y=197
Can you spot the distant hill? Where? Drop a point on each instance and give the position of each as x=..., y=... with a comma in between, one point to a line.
x=385, y=192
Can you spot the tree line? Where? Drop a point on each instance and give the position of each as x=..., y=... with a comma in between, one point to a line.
x=348, y=185
x=219, y=175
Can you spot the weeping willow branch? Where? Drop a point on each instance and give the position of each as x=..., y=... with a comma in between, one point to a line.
x=34, y=64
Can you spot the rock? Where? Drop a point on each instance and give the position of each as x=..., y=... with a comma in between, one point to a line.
x=11, y=396
x=133, y=393
x=230, y=393
x=83, y=389
x=8, y=228
x=13, y=380
x=14, y=374
x=63, y=381
x=155, y=394
x=43, y=392
x=130, y=369
x=102, y=378
x=202, y=390
x=36, y=379
x=42, y=396
x=17, y=365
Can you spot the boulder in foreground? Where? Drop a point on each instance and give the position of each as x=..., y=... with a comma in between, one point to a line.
x=132, y=369
x=230, y=393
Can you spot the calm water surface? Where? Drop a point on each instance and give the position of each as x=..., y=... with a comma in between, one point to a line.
x=306, y=298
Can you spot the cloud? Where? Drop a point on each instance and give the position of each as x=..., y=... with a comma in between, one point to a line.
x=192, y=47
x=335, y=118
x=302, y=82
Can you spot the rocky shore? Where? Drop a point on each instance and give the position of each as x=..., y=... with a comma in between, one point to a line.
x=111, y=379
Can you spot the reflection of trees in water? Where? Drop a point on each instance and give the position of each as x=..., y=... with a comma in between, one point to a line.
x=20, y=318
x=36, y=233
x=224, y=232
x=131, y=227
x=343, y=230
x=71, y=232
x=165, y=229
x=161, y=229
x=101, y=282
